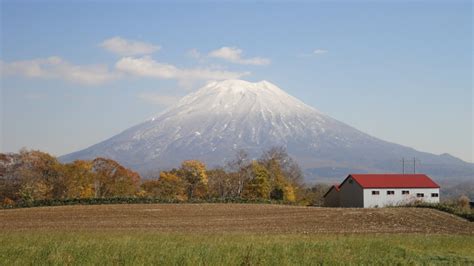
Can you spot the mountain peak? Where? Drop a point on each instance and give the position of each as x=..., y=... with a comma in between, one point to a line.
x=238, y=82
x=241, y=97
x=238, y=85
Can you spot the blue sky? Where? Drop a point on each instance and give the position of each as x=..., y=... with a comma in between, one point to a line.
x=75, y=74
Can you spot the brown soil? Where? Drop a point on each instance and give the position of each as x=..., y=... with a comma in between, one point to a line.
x=222, y=218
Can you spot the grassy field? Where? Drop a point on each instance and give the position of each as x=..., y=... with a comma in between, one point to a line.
x=113, y=248
x=231, y=234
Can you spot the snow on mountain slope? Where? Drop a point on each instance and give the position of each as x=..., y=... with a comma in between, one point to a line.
x=222, y=117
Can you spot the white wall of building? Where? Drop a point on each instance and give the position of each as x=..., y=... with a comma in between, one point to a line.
x=383, y=199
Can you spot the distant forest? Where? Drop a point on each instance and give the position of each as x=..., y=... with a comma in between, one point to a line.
x=32, y=175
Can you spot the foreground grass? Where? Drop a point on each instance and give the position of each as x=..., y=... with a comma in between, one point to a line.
x=135, y=248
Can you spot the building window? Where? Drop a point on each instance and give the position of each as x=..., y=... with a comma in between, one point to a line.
x=420, y=195
x=434, y=195
x=390, y=192
x=405, y=192
x=375, y=192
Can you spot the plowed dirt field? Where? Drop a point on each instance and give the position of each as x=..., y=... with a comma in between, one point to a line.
x=239, y=218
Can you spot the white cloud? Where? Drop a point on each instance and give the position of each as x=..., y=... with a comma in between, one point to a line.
x=319, y=51
x=126, y=47
x=147, y=67
x=57, y=68
x=314, y=53
x=158, y=99
x=234, y=55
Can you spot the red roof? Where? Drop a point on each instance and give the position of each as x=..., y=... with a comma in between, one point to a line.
x=393, y=181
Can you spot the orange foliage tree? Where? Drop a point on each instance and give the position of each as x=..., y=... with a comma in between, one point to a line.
x=168, y=186
x=111, y=179
x=80, y=182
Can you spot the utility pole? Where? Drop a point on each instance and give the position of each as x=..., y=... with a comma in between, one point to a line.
x=414, y=164
x=403, y=165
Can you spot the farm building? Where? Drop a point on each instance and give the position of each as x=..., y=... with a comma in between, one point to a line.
x=379, y=190
x=331, y=198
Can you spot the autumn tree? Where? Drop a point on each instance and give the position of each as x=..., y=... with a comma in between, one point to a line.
x=35, y=175
x=168, y=186
x=285, y=174
x=289, y=167
x=289, y=193
x=313, y=195
x=222, y=184
x=259, y=186
x=31, y=175
x=241, y=172
x=282, y=189
x=151, y=188
x=111, y=179
x=194, y=174
x=9, y=182
x=80, y=179
x=40, y=175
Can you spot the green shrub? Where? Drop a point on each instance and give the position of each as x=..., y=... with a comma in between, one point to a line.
x=133, y=200
x=449, y=207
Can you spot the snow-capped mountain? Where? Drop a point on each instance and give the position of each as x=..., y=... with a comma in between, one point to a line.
x=214, y=122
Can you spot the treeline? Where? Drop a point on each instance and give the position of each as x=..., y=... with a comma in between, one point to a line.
x=30, y=176
x=33, y=175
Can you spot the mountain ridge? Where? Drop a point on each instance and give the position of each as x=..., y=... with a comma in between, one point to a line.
x=212, y=123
